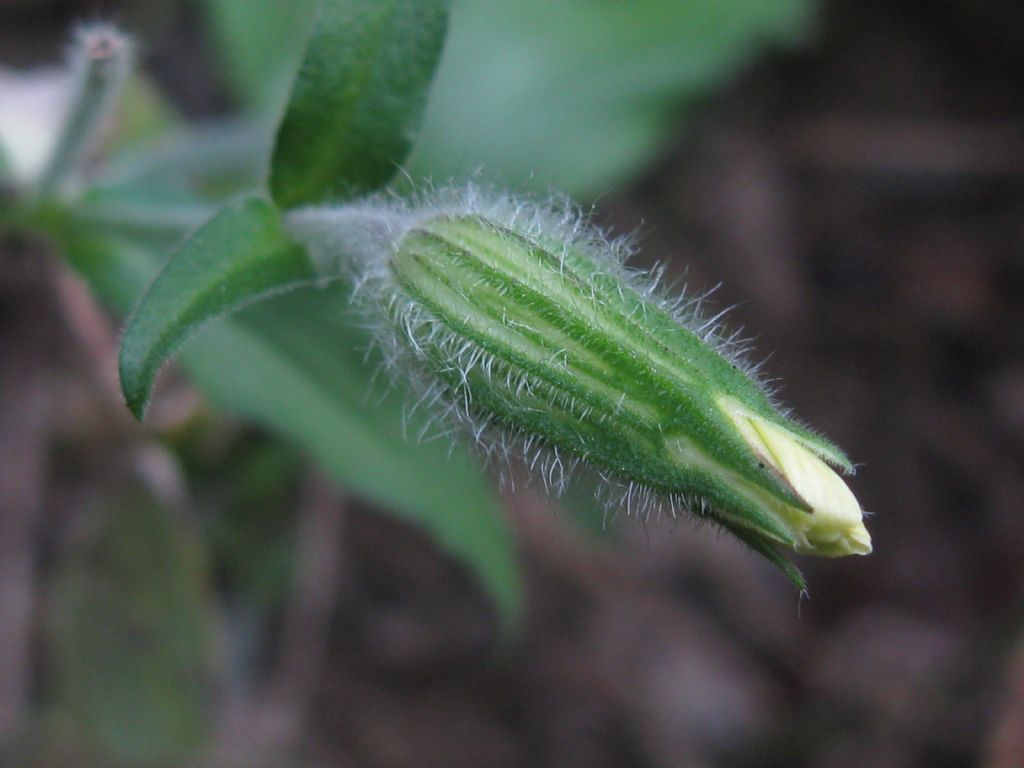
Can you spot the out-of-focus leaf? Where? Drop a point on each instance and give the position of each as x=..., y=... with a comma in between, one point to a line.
x=5, y=168
x=260, y=42
x=297, y=365
x=131, y=636
x=229, y=153
x=248, y=496
x=157, y=214
x=576, y=94
x=241, y=254
x=143, y=113
x=358, y=98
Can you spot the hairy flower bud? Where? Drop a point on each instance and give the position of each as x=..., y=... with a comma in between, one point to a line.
x=527, y=324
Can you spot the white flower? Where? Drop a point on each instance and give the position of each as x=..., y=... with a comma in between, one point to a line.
x=835, y=524
x=33, y=106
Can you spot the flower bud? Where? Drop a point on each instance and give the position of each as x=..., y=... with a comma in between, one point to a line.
x=100, y=61
x=525, y=323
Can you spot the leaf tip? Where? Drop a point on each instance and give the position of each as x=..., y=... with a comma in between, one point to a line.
x=136, y=384
x=137, y=367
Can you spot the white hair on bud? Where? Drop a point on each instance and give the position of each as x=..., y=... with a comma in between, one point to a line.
x=358, y=240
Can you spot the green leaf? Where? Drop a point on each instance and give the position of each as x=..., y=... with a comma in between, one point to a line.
x=578, y=94
x=251, y=527
x=296, y=365
x=143, y=114
x=130, y=632
x=260, y=42
x=5, y=167
x=223, y=154
x=239, y=255
x=358, y=98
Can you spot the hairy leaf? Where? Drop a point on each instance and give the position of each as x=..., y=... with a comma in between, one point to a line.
x=239, y=255
x=357, y=99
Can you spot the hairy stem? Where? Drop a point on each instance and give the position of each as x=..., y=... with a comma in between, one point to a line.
x=101, y=59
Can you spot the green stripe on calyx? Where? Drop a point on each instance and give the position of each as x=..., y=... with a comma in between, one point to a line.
x=524, y=325
x=556, y=318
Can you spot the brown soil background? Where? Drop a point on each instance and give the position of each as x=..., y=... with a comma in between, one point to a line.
x=862, y=202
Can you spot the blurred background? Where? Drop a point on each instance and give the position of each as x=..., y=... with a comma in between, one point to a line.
x=207, y=589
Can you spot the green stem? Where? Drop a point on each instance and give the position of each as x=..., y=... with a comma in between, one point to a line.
x=101, y=60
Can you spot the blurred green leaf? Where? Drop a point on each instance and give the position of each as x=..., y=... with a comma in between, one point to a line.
x=4, y=165
x=298, y=365
x=230, y=154
x=260, y=42
x=241, y=254
x=142, y=115
x=577, y=94
x=358, y=98
x=250, y=521
x=131, y=637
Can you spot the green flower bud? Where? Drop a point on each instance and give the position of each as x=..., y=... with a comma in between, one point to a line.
x=525, y=324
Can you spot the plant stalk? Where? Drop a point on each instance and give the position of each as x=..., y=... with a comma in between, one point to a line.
x=101, y=59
